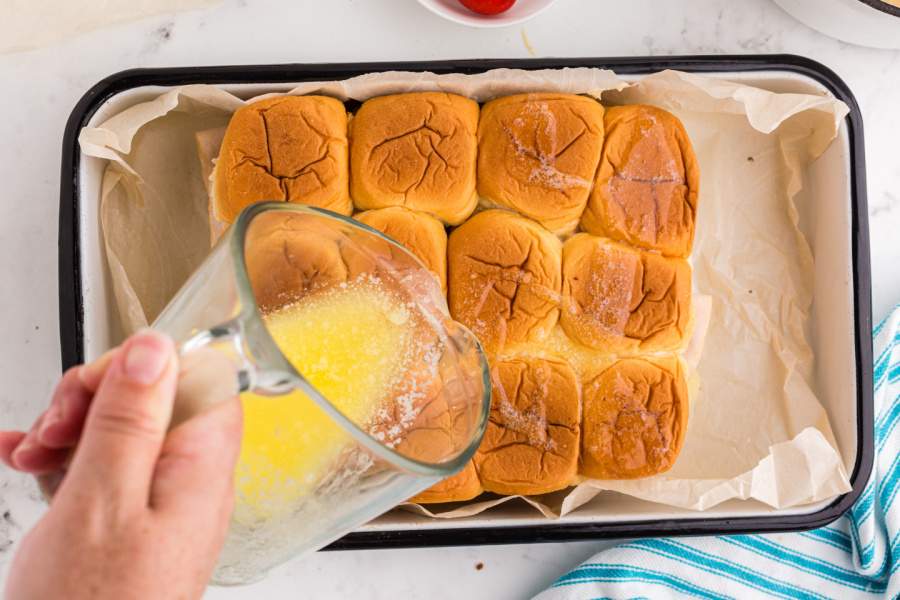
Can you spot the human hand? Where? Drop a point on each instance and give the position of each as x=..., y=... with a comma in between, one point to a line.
x=137, y=512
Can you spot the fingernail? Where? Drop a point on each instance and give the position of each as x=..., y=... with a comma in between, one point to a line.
x=147, y=356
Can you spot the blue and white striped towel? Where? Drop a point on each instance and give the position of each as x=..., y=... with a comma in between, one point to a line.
x=857, y=556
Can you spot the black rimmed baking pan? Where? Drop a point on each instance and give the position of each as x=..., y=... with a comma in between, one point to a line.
x=85, y=303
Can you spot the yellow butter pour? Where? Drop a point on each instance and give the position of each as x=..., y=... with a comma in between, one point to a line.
x=348, y=342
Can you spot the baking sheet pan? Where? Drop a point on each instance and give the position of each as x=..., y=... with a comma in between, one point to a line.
x=511, y=529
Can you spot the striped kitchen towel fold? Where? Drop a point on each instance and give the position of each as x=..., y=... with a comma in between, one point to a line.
x=857, y=556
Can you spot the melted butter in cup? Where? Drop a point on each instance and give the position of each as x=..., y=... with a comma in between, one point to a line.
x=351, y=343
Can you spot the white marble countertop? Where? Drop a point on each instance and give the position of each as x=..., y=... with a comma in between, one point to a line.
x=40, y=88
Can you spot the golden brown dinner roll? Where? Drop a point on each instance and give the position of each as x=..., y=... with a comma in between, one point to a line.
x=647, y=184
x=503, y=278
x=291, y=148
x=441, y=429
x=462, y=486
x=419, y=233
x=538, y=153
x=415, y=150
x=635, y=418
x=289, y=255
x=619, y=299
x=531, y=442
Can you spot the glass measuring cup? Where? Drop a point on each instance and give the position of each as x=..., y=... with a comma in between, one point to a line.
x=329, y=465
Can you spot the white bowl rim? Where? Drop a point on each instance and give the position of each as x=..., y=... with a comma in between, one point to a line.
x=483, y=21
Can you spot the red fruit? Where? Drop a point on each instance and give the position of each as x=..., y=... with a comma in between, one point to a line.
x=488, y=7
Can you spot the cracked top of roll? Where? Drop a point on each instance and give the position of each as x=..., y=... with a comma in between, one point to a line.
x=290, y=255
x=290, y=148
x=531, y=442
x=635, y=418
x=647, y=184
x=622, y=300
x=538, y=153
x=503, y=277
x=416, y=151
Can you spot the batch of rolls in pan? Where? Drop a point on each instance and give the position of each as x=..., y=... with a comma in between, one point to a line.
x=559, y=230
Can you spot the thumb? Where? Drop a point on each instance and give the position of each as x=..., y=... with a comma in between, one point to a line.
x=126, y=424
x=195, y=474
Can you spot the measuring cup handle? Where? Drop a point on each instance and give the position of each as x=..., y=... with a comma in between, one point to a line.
x=206, y=377
x=212, y=369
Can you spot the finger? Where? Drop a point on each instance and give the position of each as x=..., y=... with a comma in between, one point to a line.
x=126, y=423
x=59, y=427
x=9, y=441
x=30, y=456
x=39, y=460
x=63, y=420
x=193, y=488
x=195, y=472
